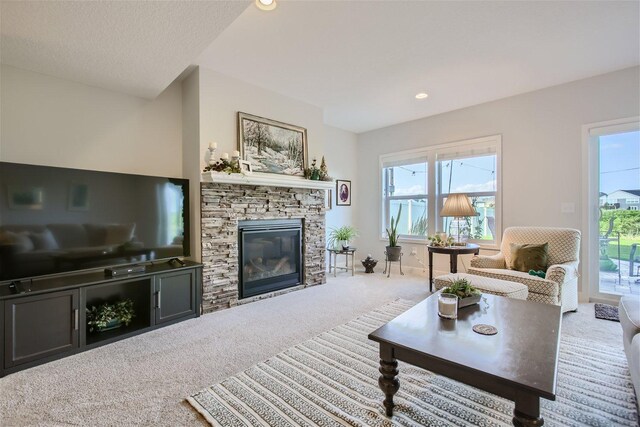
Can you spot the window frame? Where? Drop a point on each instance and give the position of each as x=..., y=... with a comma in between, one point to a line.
x=434, y=199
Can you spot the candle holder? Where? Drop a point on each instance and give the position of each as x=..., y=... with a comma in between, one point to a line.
x=448, y=306
x=212, y=155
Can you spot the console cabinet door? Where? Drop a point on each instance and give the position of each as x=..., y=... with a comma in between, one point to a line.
x=40, y=326
x=175, y=295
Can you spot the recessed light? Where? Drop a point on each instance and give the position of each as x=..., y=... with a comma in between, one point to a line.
x=421, y=95
x=266, y=4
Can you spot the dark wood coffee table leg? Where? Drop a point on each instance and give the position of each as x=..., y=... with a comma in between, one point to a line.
x=453, y=261
x=430, y=271
x=388, y=382
x=527, y=411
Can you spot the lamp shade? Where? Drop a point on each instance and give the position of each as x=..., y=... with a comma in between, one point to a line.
x=457, y=205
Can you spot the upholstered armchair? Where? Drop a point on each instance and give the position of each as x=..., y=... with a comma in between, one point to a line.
x=560, y=284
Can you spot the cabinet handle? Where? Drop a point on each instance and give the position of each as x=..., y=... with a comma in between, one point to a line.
x=76, y=319
x=158, y=306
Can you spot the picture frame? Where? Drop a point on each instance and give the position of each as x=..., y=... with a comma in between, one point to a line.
x=343, y=192
x=245, y=167
x=78, y=197
x=272, y=146
x=25, y=197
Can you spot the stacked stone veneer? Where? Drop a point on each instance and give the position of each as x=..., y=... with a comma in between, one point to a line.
x=223, y=205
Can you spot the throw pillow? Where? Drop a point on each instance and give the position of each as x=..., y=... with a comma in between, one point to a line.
x=20, y=241
x=44, y=241
x=529, y=257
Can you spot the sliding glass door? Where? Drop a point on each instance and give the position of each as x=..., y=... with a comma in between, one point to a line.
x=612, y=254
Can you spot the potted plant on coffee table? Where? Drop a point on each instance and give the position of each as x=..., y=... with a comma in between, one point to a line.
x=467, y=294
x=394, y=250
x=339, y=238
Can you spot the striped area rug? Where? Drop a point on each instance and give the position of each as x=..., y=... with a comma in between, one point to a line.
x=332, y=380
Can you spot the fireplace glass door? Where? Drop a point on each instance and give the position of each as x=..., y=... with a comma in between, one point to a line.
x=270, y=256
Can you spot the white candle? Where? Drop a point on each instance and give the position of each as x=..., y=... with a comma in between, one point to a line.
x=448, y=307
x=236, y=153
x=225, y=156
x=213, y=145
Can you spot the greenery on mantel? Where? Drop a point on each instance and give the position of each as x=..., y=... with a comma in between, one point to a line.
x=316, y=174
x=223, y=166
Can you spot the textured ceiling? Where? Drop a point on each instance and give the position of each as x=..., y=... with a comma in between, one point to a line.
x=136, y=47
x=363, y=62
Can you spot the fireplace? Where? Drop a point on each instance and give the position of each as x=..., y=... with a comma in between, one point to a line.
x=270, y=255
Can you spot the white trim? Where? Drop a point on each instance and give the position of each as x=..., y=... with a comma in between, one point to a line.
x=589, y=253
x=272, y=180
x=429, y=153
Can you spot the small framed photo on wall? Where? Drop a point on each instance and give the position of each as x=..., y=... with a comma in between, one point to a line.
x=343, y=192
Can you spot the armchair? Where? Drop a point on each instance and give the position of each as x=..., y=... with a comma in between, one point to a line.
x=560, y=284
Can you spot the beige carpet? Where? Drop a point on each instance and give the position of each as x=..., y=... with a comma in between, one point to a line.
x=143, y=380
x=332, y=380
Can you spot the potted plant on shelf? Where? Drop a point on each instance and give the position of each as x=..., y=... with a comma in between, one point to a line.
x=339, y=238
x=394, y=250
x=110, y=316
x=467, y=294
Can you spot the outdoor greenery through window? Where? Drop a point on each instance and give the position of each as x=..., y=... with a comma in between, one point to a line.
x=421, y=180
x=619, y=212
x=474, y=176
x=406, y=185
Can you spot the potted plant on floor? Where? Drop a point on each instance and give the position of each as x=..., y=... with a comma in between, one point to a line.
x=339, y=238
x=467, y=294
x=394, y=250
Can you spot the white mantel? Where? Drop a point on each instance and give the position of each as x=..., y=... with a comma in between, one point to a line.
x=266, y=179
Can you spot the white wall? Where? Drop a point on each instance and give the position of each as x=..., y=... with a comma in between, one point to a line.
x=50, y=121
x=541, y=151
x=341, y=153
x=220, y=99
x=191, y=153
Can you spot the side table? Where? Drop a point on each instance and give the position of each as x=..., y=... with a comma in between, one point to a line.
x=453, y=252
x=346, y=252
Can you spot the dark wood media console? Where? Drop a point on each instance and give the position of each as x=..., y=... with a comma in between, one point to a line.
x=48, y=321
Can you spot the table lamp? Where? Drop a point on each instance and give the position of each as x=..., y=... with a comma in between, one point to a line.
x=458, y=206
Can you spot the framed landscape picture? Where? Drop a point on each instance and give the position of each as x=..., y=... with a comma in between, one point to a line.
x=271, y=146
x=25, y=197
x=343, y=192
x=78, y=197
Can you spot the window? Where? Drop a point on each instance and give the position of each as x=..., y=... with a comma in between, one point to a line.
x=472, y=172
x=405, y=185
x=421, y=180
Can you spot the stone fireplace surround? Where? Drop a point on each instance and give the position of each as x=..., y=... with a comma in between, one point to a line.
x=224, y=204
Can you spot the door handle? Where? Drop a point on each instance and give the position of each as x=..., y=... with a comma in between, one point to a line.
x=158, y=299
x=76, y=319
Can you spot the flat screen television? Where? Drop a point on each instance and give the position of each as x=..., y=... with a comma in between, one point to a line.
x=58, y=220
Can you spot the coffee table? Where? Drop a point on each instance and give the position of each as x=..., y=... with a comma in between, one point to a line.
x=519, y=363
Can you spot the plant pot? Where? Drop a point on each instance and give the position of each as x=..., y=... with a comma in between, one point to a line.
x=393, y=253
x=465, y=302
x=111, y=324
x=344, y=244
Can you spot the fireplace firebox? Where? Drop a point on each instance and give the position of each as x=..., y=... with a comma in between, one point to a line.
x=270, y=255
